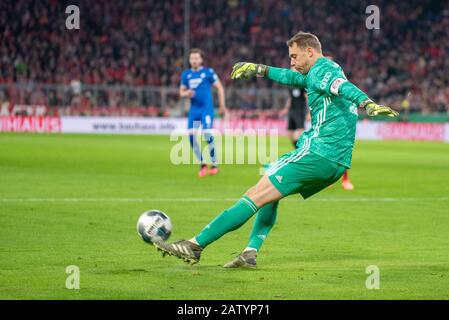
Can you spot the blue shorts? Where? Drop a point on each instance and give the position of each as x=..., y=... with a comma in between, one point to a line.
x=203, y=117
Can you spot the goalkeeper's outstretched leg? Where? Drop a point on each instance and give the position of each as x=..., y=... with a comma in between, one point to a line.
x=262, y=193
x=295, y=172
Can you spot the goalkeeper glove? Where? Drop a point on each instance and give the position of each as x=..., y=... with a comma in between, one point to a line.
x=373, y=109
x=248, y=70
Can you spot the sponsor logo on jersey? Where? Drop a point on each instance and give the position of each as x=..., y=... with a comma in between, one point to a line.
x=194, y=83
x=325, y=80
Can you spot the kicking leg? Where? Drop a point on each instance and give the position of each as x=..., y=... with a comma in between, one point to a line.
x=233, y=218
x=230, y=219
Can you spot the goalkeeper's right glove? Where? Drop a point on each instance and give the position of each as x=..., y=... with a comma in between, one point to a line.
x=373, y=109
x=248, y=70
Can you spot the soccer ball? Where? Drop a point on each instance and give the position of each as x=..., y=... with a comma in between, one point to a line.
x=154, y=225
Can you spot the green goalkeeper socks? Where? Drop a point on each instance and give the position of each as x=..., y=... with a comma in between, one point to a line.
x=229, y=220
x=265, y=219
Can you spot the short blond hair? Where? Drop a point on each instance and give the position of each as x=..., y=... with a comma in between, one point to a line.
x=304, y=40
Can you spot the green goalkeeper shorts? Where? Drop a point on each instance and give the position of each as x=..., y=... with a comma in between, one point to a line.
x=303, y=172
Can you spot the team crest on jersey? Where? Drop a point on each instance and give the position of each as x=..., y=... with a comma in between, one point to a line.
x=203, y=75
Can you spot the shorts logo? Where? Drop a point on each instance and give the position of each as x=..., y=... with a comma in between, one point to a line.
x=279, y=178
x=325, y=80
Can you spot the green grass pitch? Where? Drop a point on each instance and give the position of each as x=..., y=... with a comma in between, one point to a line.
x=75, y=199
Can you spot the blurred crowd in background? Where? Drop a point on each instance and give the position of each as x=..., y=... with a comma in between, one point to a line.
x=140, y=43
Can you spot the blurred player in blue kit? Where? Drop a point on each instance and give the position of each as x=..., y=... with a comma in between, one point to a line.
x=196, y=85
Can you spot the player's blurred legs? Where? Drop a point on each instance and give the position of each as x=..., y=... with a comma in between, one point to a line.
x=297, y=110
x=196, y=148
x=207, y=120
x=210, y=141
x=197, y=151
x=294, y=136
x=346, y=183
x=193, y=124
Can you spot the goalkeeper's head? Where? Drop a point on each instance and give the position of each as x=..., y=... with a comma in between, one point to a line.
x=304, y=49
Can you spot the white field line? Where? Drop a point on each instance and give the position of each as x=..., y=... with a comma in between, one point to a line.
x=131, y=200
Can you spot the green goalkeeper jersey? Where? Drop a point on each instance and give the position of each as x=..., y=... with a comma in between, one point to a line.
x=333, y=103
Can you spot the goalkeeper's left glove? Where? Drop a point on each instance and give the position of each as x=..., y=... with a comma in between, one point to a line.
x=248, y=70
x=373, y=109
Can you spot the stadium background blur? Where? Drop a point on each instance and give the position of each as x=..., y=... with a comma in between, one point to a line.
x=73, y=199
x=127, y=57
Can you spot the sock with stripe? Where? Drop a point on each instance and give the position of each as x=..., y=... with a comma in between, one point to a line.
x=229, y=220
x=265, y=219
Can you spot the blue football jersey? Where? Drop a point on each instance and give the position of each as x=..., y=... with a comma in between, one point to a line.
x=200, y=82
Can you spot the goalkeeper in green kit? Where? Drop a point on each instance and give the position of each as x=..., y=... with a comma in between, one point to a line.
x=322, y=154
